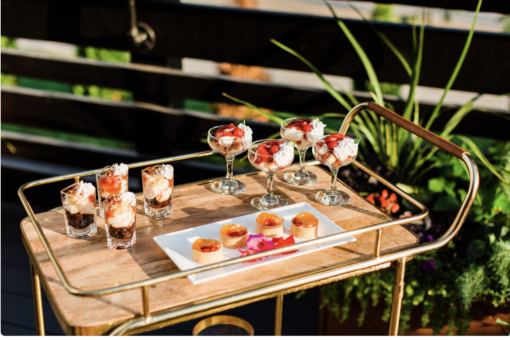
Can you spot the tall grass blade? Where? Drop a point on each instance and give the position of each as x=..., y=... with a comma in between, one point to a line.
x=270, y=116
x=362, y=55
x=435, y=113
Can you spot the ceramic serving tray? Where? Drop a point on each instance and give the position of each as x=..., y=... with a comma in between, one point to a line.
x=177, y=245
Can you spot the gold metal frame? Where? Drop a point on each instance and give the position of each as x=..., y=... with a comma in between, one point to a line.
x=223, y=320
x=277, y=288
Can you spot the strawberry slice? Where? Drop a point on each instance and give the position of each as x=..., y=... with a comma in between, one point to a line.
x=332, y=144
x=307, y=127
x=263, y=154
x=274, y=149
x=238, y=132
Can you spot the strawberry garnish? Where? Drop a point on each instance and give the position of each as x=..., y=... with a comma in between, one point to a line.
x=307, y=127
x=274, y=149
x=332, y=144
x=239, y=133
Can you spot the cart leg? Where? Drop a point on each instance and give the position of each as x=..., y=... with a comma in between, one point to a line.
x=38, y=307
x=278, y=315
x=398, y=294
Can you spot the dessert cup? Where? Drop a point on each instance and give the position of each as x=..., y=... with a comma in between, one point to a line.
x=334, y=150
x=158, y=183
x=305, y=226
x=301, y=131
x=206, y=251
x=229, y=141
x=120, y=220
x=111, y=180
x=270, y=156
x=269, y=225
x=79, y=202
x=233, y=236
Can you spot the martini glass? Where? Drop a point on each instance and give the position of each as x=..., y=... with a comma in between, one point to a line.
x=324, y=151
x=270, y=156
x=300, y=132
x=229, y=142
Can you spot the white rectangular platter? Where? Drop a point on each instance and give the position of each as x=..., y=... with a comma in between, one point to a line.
x=177, y=245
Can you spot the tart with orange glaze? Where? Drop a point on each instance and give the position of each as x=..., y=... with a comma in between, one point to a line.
x=305, y=226
x=206, y=251
x=269, y=225
x=233, y=236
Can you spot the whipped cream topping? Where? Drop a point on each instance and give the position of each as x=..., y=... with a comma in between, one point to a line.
x=124, y=211
x=226, y=141
x=318, y=128
x=285, y=156
x=164, y=170
x=119, y=169
x=346, y=148
x=77, y=199
x=156, y=186
x=323, y=150
x=247, y=130
x=293, y=134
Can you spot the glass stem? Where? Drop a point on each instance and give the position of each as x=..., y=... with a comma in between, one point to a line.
x=269, y=191
x=334, y=174
x=302, y=154
x=230, y=169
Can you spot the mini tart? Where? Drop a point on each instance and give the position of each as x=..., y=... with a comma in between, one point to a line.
x=305, y=226
x=238, y=240
x=199, y=256
x=270, y=231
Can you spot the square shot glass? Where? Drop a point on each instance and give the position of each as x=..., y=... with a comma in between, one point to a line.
x=79, y=202
x=158, y=184
x=111, y=180
x=120, y=220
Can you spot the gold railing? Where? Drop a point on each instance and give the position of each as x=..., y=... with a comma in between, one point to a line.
x=398, y=258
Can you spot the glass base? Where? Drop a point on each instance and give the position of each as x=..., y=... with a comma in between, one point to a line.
x=225, y=187
x=334, y=199
x=158, y=213
x=121, y=244
x=81, y=233
x=295, y=178
x=260, y=204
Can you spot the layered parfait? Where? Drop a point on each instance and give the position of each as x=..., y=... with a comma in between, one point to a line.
x=302, y=132
x=112, y=180
x=158, y=183
x=229, y=141
x=79, y=202
x=120, y=220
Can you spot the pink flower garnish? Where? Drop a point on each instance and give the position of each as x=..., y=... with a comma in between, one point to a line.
x=256, y=244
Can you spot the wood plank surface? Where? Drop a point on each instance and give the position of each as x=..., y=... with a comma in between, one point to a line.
x=242, y=36
x=89, y=264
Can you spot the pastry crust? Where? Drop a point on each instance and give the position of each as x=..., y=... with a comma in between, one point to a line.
x=209, y=257
x=269, y=231
x=236, y=241
x=305, y=232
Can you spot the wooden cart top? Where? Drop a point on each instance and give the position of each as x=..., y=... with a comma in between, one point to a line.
x=90, y=265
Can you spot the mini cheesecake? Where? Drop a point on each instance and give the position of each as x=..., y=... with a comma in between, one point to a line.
x=305, y=226
x=269, y=225
x=207, y=251
x=233, y=236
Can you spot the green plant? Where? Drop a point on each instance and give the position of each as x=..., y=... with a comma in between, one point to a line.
x=397, y=149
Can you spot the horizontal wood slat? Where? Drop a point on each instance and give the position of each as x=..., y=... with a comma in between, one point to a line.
x=243, y=37
x=499, y=6
x=157, y=129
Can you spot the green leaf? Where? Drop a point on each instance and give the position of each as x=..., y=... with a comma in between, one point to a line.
x=437, y=184
x=475, y=249
x=357, y=140
x=446, y=203
x=268, y=115
x=362, y=55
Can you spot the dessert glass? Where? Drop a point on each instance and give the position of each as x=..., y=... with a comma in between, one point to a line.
x=120, y=220
x=270, y=156
x=79, y=202
x=334, y=150
x=158, y=184
x=111, y=180
x=301, y=131
x=229, y=141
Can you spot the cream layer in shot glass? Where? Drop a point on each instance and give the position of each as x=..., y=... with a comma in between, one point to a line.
x=79, y=202
x=158, y=184
x=111, y=180
x=120, y=220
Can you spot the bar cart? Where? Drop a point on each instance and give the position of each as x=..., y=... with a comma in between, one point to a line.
x=94, y=291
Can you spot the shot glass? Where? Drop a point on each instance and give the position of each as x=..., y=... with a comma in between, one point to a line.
x=302, y=132
x=270, y=156
x=79, y=202
x=120, y=220
x=158, y=184
x=334, y=150
x=111, y=180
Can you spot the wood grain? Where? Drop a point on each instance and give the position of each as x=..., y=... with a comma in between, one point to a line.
x=89, y=264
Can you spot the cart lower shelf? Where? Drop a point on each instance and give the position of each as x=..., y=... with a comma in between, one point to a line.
x=89, y=264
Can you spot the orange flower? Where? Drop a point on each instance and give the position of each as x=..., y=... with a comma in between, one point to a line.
x=370, y=198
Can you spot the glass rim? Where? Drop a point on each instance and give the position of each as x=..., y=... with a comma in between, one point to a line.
x=217, y=127
x=74, y=184
x=261, y=141
x=320, y=137
x=293, y=118
x=126, y=192
x=108, y=167
x=145, y=171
